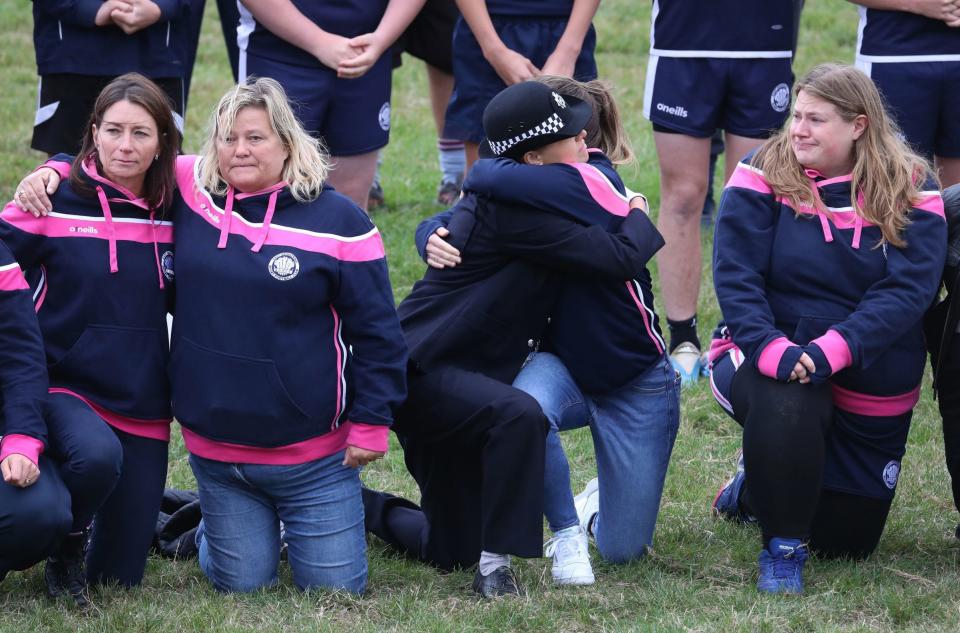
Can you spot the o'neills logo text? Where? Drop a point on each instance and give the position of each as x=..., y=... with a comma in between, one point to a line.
x=83, y=229
x=679, y=111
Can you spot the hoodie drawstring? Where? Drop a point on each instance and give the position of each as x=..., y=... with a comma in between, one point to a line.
x=271, y=206
x=156, y=247
x=225, y=223
x=111, y=232
x=818, y=206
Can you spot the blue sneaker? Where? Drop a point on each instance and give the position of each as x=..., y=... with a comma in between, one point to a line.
x=781, y=566
x=726, y=504
x=686, y=361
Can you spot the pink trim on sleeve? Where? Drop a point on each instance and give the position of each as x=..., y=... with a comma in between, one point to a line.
x=11, y=278
x=372, y=437
x=29, y=447
x=836, y=349
x=58, y=166
x=602, y=190
x=747, y=177
x=769, y=360
x=932, y=202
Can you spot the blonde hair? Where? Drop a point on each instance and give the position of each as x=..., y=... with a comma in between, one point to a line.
x=307, y=165
x=885, y=170
x=604, y=129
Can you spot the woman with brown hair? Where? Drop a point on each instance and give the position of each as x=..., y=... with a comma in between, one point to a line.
x=829, y=246
x=101, y=263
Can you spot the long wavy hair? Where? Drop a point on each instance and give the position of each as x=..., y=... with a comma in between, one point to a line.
x=307, y=165
x=887, y=173
x=160, y=180
x=604, y=130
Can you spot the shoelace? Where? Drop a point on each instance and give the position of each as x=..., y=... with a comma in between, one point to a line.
x=786, y=566
x=564, y=546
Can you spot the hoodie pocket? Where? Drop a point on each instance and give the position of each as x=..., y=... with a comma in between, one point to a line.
x=235, y=399
x=123, y=369
x=810, y=327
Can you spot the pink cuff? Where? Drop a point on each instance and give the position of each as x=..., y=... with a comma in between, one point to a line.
x=29, y=447
x=769, y=360
x=372, y=437
x=60, y=167
x=836, y=350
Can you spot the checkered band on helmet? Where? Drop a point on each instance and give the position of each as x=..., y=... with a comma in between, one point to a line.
x=552, y=125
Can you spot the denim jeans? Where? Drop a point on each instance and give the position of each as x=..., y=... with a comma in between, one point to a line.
x=320, y=506
x=633, y=431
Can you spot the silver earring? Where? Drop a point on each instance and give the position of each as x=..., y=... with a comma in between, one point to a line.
x=156, y=157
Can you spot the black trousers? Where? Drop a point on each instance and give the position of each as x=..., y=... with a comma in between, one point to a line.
x=784, y=430
x=948, y=398
x=475, y=446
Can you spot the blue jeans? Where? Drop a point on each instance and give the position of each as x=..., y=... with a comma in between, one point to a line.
x=319, y=504
x=633, y=431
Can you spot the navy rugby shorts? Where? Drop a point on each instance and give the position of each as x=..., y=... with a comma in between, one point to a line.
x=698, y=95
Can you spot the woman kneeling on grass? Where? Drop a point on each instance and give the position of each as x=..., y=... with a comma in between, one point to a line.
x=287, y=358
x=829, y=245
x=102, y=266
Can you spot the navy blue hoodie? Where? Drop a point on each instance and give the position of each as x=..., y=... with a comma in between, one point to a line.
x=103, y=264
x=23, y=376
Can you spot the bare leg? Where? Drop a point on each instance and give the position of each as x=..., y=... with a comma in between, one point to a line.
x=441, y=87
x=353, y=175
x=471, y=150
x=684, y=161
x=949, y=169
x=737, y=148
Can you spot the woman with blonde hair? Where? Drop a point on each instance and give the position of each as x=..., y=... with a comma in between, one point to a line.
x=287, y=359
x=828, y=249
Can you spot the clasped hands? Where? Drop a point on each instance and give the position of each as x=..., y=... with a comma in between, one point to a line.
x=129, y=15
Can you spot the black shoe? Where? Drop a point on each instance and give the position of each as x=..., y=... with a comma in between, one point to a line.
x=500, y=582
x=956, y=533
x=65, y=573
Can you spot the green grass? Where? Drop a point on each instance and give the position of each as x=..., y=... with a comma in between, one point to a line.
x=700, y=577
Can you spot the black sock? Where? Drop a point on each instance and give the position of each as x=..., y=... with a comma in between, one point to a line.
x=684, y=331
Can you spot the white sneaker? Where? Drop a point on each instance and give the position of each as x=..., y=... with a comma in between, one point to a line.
x=587, y=504
x=571, y=558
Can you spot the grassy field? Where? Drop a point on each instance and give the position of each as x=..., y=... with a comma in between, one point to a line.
x=702, y=573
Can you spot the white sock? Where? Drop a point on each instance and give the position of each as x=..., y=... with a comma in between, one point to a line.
x=573, y=530
x=490, y=562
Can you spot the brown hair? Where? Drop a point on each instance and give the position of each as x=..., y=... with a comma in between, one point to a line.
x=160, y=179
x=885, y=170
x=604, y=129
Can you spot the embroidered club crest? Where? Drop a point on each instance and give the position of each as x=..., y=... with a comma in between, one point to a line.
x=891, y=473
x=166, y=265
x=284, y=266
x=780, y=97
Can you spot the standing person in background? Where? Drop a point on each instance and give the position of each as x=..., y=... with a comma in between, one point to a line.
x=430, y=38
x=701, y=78
x=229, y=23
x=911, y=50
x=82, y=46
x=330, y=58
x=498, y=43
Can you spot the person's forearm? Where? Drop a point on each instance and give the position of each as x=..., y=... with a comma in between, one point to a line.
x=284, y=20
x=888, y=5
x=396, y=19
x=478, y=19
x=577, y=26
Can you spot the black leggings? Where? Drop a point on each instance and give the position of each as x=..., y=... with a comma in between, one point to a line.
x=949, y=401
x=785, y=426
